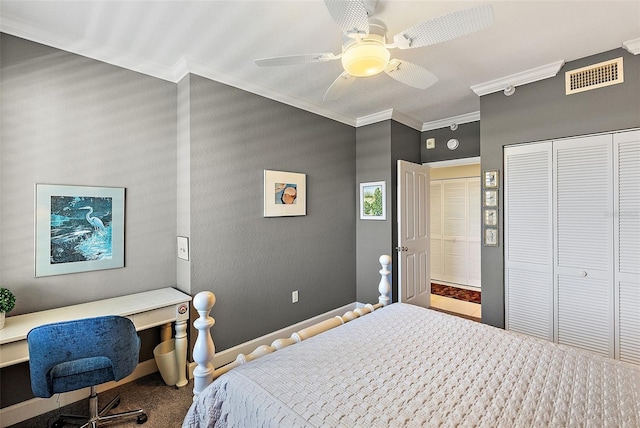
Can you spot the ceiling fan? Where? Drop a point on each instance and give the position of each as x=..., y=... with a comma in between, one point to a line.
x=365, y=51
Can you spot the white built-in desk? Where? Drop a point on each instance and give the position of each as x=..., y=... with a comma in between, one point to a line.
x=146, y=310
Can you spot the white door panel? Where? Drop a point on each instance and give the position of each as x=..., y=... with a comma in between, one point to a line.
x=627, y=252
x=584, y=242
x=414, y=278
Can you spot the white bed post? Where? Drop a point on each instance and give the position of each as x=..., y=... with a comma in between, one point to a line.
x=204, y=348
x=385, y=286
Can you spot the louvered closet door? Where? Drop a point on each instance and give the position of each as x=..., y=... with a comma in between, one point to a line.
x=435, y=226
x=474, y=231
x=529, y=239
x=583, y=242
x=454, y=233
x=627, y=253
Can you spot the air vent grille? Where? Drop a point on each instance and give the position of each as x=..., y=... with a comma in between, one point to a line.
x=594, y=76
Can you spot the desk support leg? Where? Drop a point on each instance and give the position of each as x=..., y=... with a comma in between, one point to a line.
x=166, y=331
x=181, y=352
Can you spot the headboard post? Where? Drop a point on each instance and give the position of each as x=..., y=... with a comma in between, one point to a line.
x=385, y=286
x=204, y=348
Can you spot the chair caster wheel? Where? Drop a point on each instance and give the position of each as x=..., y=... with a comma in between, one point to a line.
x=58, y=424
x=141, y=419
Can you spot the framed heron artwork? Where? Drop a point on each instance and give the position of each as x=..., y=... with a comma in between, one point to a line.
x=78, y=229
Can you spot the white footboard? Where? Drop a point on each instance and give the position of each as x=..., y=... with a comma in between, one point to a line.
x=204, y=348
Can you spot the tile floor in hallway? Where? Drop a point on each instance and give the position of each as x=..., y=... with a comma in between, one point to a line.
x=457, y=306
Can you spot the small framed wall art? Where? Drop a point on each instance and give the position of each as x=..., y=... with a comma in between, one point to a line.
x=78, y=229
x=490, y=217
x=285, y=194
x=373, y=201
x=491, y=237
x=490, y=198
x=491, y=179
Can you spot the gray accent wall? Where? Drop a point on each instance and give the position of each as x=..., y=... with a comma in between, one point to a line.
x=68, y=119
x=379, y=146
x=373, y=237
x=541, y=111
x=250, y=262
x=468, y=134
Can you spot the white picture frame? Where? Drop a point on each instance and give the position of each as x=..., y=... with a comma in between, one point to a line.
x=490, y=217
x=490, y=198
x=373, y=205
x=78, y=229
x=490, y=237
x=285, y=194
x=491, y=179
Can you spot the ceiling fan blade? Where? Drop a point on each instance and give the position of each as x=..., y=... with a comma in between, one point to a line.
x=350, y=16
x=295, y=59
x=339, y=86
x=410, y=74
x=445, y=28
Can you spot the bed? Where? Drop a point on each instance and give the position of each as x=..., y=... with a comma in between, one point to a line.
x=398, y=365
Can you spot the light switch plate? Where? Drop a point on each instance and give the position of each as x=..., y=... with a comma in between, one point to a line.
x=431, y=143
x=183, y=247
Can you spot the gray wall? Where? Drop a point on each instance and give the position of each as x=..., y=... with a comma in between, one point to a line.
x=373, y=237
x=67, y=119
x=253, y=263
x=541, y=111
x=378, y=148
x=468, y=134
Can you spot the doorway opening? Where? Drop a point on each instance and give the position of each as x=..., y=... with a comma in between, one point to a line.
x=455, y=229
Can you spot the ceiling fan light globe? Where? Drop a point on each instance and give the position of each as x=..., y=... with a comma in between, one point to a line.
x=365, y=59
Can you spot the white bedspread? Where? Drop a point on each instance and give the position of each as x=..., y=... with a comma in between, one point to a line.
x=408, y=366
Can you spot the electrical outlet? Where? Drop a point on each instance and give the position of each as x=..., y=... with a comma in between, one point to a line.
x=294, y=297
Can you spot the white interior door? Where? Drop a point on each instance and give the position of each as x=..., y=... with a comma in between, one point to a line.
x=584, y=243
x=528, y=223
x=414, y=278
x=627, y=250
x=454, y=233
x=474, y=232
x=455, y=226
x=435, y=228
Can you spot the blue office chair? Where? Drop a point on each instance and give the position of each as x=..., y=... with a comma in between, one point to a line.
x=71, y=355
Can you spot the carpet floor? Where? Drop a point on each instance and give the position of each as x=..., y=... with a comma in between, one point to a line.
x=165, y=406
x=456, y=293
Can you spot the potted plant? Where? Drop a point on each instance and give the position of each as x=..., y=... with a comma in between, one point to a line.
x=7, y=302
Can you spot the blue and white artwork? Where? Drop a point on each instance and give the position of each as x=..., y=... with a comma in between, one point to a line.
x=81, y=228
x=78, y=229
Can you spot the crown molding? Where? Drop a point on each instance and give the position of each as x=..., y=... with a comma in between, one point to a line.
x=83, y=48
x=406, y=120
x=390, y=114
x=444, y=123
x=211, y=73
x=517, y=79
x=185, y=66
x=633, y=46
x=374, y=118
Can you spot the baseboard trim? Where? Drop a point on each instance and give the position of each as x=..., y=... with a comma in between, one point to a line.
x=37, y=406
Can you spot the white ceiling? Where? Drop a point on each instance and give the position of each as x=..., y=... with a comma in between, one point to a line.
x=220, y=40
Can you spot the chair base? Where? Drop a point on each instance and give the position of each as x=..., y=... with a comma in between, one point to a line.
x=97, y=418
